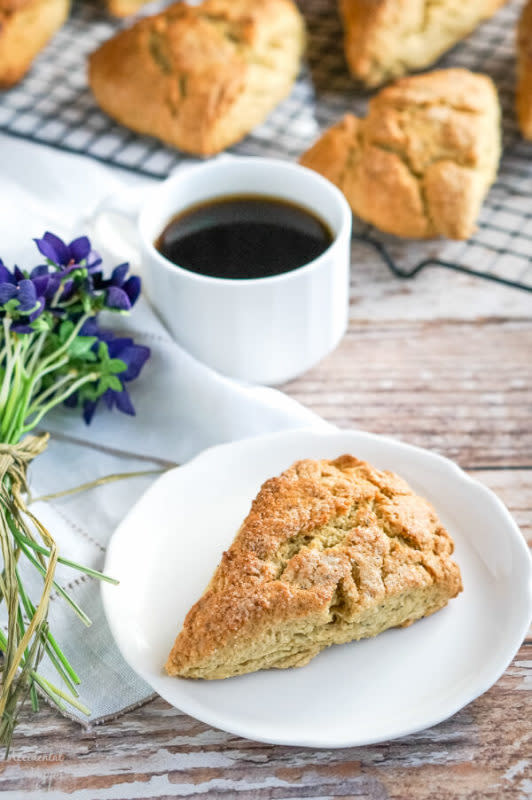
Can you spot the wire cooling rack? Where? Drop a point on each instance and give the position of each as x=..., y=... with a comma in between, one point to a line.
x=54, y=106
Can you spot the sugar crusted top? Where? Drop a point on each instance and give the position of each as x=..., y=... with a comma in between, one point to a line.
x=324, y=537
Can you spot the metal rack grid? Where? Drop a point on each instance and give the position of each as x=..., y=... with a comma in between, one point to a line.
x=53, y=106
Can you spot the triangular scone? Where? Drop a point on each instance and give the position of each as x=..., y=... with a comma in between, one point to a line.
x=386, y=38
x=524, y=71
x=331, y=551
x=200, y=77
x=421, y=163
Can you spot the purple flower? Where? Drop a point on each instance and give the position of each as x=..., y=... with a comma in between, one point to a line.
x=68, y=255
x=46, y=283
x=27, y=291
x=8, y=284
x=134, y=357
x=122, y=292
x=27, y=296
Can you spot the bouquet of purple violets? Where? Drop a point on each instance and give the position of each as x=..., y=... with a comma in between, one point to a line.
x=52, y=352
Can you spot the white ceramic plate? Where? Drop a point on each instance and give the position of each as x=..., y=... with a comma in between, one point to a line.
x=402, y=681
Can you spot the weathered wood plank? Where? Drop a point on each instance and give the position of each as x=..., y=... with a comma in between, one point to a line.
x=157, y=751
x=461, y=389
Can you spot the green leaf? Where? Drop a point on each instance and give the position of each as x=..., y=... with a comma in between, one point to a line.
x=109, y=382
x=115, y=383
x=103, y=353
x=89, y=391
x=116, y=365
x=11, y=305
x=65, y=330
x=40, y=324
x=81, y=346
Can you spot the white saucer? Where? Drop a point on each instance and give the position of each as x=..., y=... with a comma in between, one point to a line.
x=402, y=681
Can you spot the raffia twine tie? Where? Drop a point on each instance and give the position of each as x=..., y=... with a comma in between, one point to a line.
x=14, y=461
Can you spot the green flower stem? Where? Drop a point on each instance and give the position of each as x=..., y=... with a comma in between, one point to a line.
x=10, y=597
x=13, y=397
x=13, y=659
x=34, y=698
x=19, y=392
x=92, y=376
x=59, y=589
x=22, y=407
x=61, y=664
x=66, y=344
x=6, y=383
x=87, y=570
x=53, y=692
x=50, y=391
x=42, y=568
x=8, y=719
x=34, y=351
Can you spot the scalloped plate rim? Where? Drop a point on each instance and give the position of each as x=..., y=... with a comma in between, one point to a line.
x=232, y=726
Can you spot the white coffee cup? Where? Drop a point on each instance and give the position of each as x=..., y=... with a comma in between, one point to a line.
x=261, y=330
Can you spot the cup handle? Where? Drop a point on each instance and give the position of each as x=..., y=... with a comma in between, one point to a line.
x=113, y=221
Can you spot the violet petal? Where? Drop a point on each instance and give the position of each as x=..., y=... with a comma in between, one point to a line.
x=79, y=248
x=27, y=296
x=117, y=298
x=7, y=292
x=132, y=288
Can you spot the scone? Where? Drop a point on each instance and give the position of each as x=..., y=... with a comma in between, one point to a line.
x=421, y=162
x=388, y=38
x=25, y=28
x=331, y=551
x=200, y=77
x=124, y=8
x=524, y=71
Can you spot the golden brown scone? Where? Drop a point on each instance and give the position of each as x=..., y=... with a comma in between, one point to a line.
x=200, y=77
x=25, y=28
x=331, y=551
x=124, y=8
x=388, y=38
x=421, y=162
x=524, y=71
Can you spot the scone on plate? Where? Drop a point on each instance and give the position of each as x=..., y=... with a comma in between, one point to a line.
x=26, y=26
x=200, y=77
x=421, y=162
x=331, y=551
x=524, y=71
x=388, y=38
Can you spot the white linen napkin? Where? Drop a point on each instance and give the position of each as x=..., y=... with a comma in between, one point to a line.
x=182, y=407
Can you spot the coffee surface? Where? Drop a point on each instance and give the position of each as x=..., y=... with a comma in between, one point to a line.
x=243, y=237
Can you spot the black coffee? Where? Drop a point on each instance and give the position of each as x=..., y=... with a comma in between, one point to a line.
x=244, y=236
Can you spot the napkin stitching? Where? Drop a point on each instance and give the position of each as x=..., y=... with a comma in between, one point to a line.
x=75, y=582
x=112, y=451
x=75, y=527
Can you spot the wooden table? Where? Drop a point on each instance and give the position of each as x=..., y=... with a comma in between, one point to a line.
x=445, y=362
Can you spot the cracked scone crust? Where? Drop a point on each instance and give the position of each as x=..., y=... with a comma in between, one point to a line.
x=388, y=38
x=420, y=164
x=331, y=551
x=524, y=71
x=200, y=77
x=26, y=26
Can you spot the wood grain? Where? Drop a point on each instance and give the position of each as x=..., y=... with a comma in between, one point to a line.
x=462, y=389
x=481, y=752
